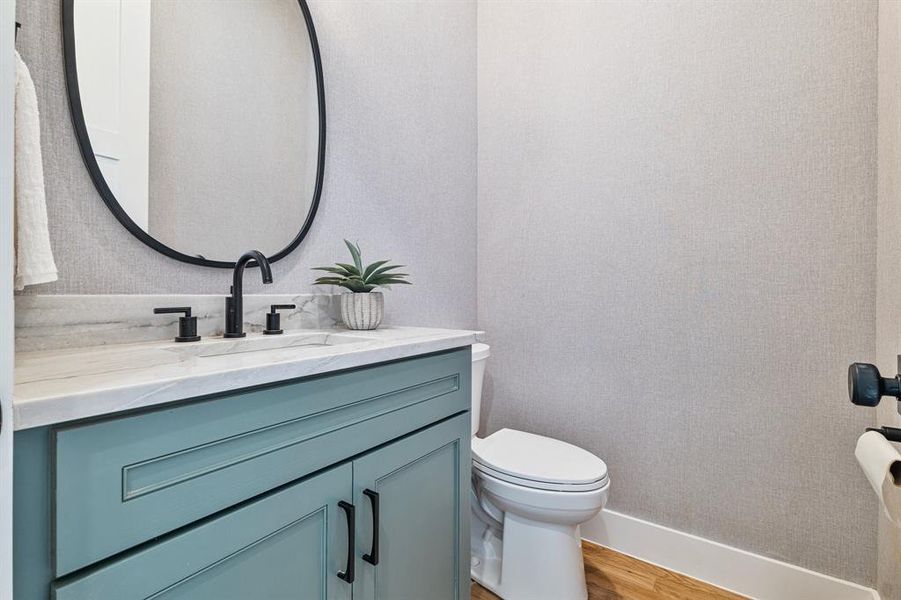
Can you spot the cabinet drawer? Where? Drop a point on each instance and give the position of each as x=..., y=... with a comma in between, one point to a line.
x=285, y=546
x=124, y=481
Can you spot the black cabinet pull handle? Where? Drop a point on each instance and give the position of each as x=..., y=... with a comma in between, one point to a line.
x=348, y=573
x=373, y=556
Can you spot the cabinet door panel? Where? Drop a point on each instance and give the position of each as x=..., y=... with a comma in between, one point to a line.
x=422, y=483
x=285, y=546
x=277, y=566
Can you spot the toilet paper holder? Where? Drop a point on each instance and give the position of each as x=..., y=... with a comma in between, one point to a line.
x=866, y=386
x=892, y=434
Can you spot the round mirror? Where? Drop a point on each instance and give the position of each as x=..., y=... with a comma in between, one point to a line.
x=202, y=123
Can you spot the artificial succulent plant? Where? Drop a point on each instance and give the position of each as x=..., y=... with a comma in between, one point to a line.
x=360, y=279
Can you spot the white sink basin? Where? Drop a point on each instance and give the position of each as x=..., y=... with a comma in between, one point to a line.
x=256, y=342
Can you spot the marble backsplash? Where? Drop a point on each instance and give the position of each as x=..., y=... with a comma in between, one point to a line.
x=51, y=322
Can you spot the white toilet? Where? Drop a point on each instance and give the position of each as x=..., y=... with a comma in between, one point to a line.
x=530, y=494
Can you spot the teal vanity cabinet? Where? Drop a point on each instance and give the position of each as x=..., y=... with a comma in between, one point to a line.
x=345, y=485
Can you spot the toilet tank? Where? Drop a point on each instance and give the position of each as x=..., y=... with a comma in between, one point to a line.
x=480, y=354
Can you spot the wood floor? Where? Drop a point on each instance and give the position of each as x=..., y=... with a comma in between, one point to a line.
x=614, y=576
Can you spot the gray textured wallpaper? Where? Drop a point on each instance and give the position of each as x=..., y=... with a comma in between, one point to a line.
x=400, y=80
x=677, y=253
x=888, y=296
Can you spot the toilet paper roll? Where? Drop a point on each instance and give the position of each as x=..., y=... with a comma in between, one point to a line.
x=881, y=463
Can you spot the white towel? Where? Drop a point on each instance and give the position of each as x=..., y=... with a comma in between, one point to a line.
x=34, y=257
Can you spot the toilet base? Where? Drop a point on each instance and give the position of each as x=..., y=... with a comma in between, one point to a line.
x=532, y=561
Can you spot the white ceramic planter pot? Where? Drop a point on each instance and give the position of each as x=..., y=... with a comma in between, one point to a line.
x=362, y=311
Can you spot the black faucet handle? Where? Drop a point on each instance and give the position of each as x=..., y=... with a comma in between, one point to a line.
x=187, y=324
x=173, y=309
x=273, y=318
x=277, y=307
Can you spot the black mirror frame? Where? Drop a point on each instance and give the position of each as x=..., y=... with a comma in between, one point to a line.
x=87, y=151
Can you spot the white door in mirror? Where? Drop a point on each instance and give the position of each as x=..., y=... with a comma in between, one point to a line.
x=115, y=96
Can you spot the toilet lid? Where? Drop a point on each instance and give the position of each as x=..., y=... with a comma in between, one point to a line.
x=537, y=458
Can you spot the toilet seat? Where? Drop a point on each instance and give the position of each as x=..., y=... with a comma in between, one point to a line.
x=538, y=462
x=540, y=485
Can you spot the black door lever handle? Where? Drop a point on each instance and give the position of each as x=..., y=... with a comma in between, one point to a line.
x=866, y=386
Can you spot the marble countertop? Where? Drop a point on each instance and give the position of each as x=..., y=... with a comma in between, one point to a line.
x=55, y=386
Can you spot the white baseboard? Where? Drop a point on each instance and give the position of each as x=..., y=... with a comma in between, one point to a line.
x=726, y=567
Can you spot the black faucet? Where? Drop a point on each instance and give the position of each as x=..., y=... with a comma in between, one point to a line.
x=234, y=304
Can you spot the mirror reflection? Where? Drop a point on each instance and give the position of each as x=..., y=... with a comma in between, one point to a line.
x=202, y=119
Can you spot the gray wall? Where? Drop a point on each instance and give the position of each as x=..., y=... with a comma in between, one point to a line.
x=677, y=256
x=233, y=125
x=888, y=295
x=400, y=172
